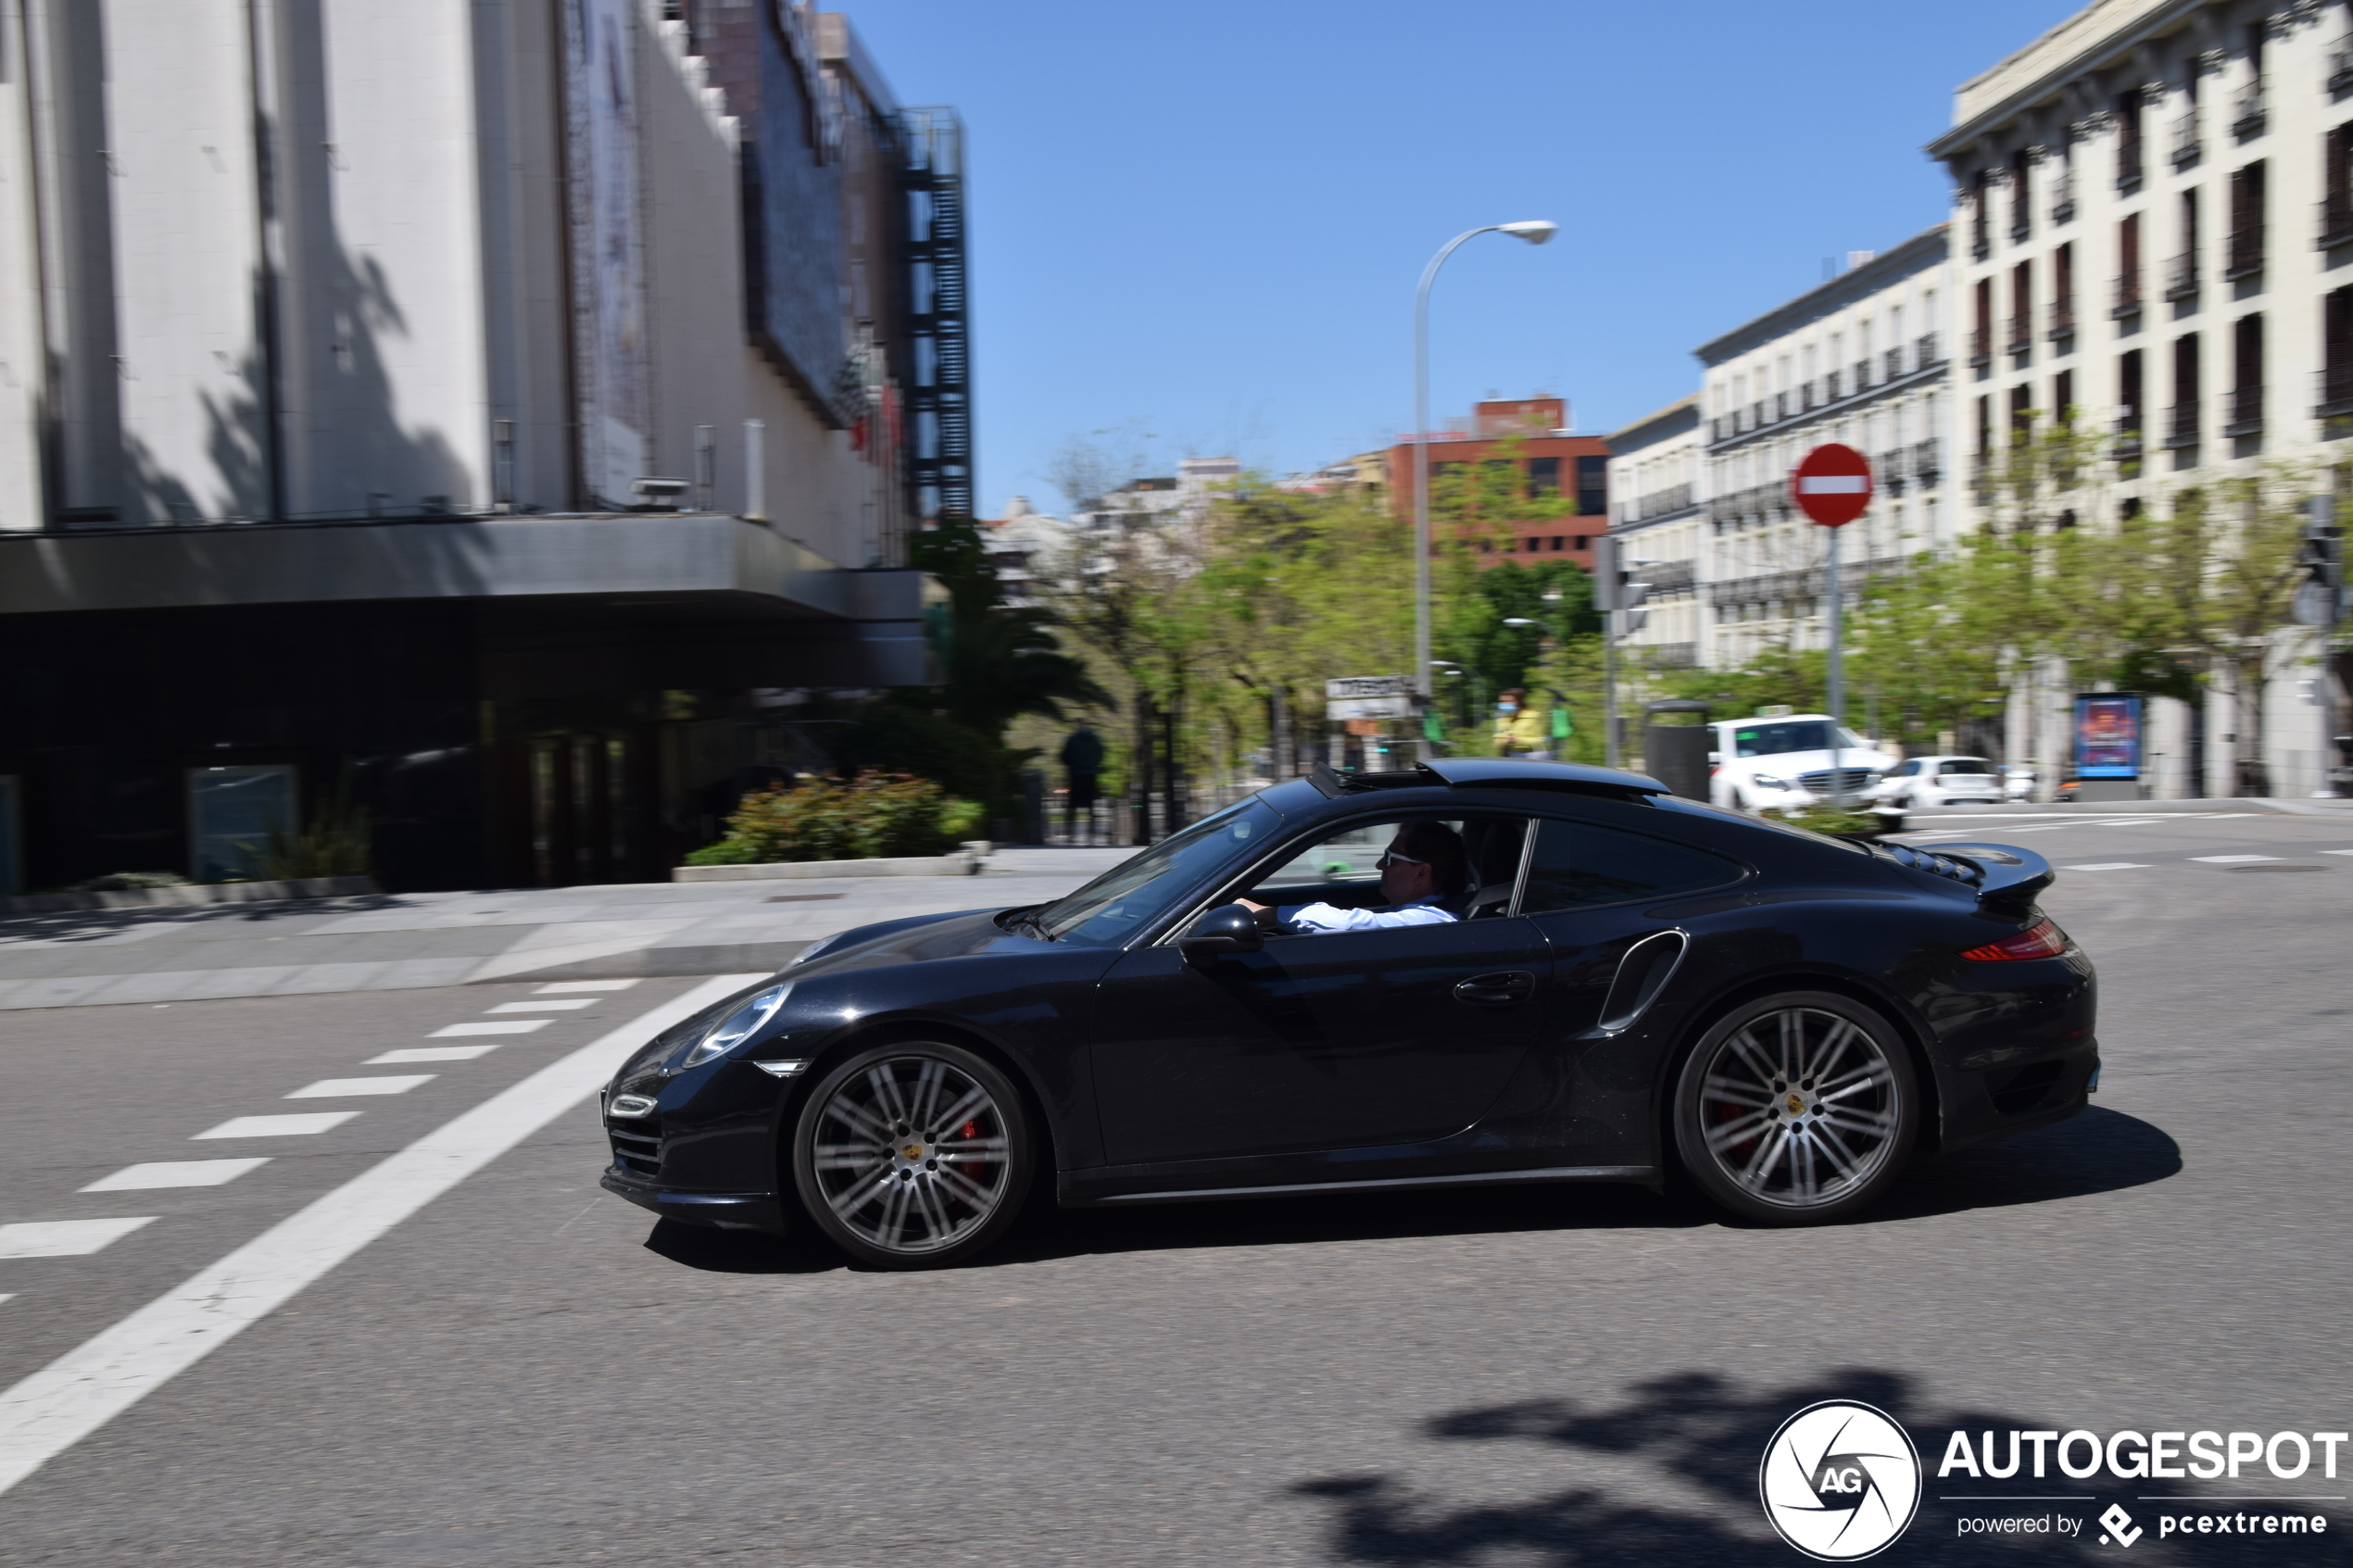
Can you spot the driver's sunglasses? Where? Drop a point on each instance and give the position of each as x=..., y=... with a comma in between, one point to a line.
x=1389, y=857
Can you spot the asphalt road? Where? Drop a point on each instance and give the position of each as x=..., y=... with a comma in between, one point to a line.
x=525, y=1372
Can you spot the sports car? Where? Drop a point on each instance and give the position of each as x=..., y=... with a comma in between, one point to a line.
x=1633, y=988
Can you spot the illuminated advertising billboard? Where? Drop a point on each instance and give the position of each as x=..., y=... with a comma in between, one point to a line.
x=2108, y=736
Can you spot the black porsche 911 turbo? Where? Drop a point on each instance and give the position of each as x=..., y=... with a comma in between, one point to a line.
x=1622, y=983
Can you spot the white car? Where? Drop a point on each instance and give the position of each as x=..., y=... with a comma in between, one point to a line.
x=1941, y=781
x=1783, y=762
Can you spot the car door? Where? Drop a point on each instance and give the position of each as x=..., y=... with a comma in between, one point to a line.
x=1589, y=889
x=1334, y=1040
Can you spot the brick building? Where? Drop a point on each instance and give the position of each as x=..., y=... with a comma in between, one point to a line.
x=1551, y=462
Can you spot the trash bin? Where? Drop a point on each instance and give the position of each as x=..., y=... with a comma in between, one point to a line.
x=1677, y=754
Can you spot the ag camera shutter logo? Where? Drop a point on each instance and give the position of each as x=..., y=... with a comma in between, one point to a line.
x=1841, y=1480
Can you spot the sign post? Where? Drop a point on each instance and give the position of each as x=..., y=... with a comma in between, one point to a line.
x=1832, y=484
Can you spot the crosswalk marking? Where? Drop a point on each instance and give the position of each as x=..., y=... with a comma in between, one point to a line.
x=553, y=1004
x=65, y=1239
x=55, y=1407
x=290, y=1126
x=176, y=1173
x=2108, y=866
x=504, y=1026
x=430, y=1053
x=2230, y=859
x=337, y=1088
x=558, y=987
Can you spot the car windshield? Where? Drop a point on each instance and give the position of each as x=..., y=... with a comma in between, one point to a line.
x=1964, y=765
x=1793, y=735
x=1117, y=904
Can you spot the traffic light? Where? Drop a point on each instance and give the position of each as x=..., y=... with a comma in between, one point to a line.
x=2320, y=557
x=1615, y=592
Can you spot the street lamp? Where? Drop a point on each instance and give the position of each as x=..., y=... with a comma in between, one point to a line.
x=1535, y=231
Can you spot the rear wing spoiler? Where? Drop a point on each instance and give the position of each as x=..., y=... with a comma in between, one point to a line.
x=2008, y=877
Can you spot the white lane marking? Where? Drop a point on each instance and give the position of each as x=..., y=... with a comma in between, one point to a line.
x=558, y=987
x=337, y=1088
x=52, y=1408
x=2109, y=866
x=553, y=1004
x=65, y=1239
x=291, y=1125
x=176, y=1173
x=2337, y=851
x=508, y=1026
x=8, y=1295
x=430, y=1053
x=2230, y=859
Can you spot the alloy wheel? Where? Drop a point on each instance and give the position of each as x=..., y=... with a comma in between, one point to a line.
x=912, y=1155
x=1799, y=1108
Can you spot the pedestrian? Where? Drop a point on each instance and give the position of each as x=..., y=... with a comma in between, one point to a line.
x=1518, y=732
x=1083, y=761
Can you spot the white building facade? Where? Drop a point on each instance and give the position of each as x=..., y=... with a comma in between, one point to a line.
x=1862, y=360
x=1655, y=467
x=2153, y=228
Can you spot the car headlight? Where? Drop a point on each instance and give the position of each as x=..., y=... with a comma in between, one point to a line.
x=736, y=1027
x=1766, y=781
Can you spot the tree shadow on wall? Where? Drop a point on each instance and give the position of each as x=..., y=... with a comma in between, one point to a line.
x=1705, y=1436
x=341, y=449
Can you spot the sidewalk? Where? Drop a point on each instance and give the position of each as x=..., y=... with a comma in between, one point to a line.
x=384, y=942
x=2219, y=805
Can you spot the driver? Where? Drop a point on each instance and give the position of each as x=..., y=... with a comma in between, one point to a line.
x=1423, y=864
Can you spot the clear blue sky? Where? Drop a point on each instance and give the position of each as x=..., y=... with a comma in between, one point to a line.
x=1204, y=222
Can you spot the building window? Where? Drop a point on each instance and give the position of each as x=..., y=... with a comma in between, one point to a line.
x=2063, y=293
x=2021, y=414
x=1543, y=476
x=1559, y=543
x=2128, y=141
x=2181, y=274
x=1593, y=486
x=2244, y=257
x=1980, y=343
x=2246, y=377
x=2129, y=404
x=2128, y=268
x=2063, y=397
x=1981, y=240
x=1580, y=541
x=11, y=833
x=231, y=812
x=2182, y=427
x=2021, y=209
x=2336, y=194
x=2337, y=348
x=2021, y=333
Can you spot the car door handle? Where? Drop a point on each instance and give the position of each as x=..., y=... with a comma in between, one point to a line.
x=1508, y=988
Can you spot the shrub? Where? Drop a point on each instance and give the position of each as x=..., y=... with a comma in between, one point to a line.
x=126, y=882
x=873, y=815
x=1823, y=816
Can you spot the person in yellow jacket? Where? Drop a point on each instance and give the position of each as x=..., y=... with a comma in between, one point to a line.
x=1519, y=729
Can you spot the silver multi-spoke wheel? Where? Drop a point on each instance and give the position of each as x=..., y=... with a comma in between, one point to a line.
x=911, y=1154
x=1796, y=1108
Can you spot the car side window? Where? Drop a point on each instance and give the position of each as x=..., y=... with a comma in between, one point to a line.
x=1907, y=769
x=1580, y=864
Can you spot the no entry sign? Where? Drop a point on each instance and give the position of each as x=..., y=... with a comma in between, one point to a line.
x=1832, y=484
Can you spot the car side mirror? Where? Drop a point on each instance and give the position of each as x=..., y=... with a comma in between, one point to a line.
x=1229, y=928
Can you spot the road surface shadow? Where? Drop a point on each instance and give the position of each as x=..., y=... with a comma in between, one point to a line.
x=1705, y=1436
x=2096, y=1151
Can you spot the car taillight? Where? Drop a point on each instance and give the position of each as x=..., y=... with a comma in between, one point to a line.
x=2041, y=940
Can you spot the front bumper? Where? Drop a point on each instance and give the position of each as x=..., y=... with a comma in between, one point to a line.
x=725, y=1210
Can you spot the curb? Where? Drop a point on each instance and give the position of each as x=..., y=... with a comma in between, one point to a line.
x=657, y=964
x=961, y=862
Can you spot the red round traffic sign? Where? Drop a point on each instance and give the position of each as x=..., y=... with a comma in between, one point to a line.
x=1832, y=484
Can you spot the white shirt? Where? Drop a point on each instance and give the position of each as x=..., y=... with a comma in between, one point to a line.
x=1328, y=917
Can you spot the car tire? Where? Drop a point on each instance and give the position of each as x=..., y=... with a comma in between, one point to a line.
x=1797, y=1109
x=913, y=1155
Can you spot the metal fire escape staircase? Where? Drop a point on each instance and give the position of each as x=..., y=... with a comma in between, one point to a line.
x=940, y=469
